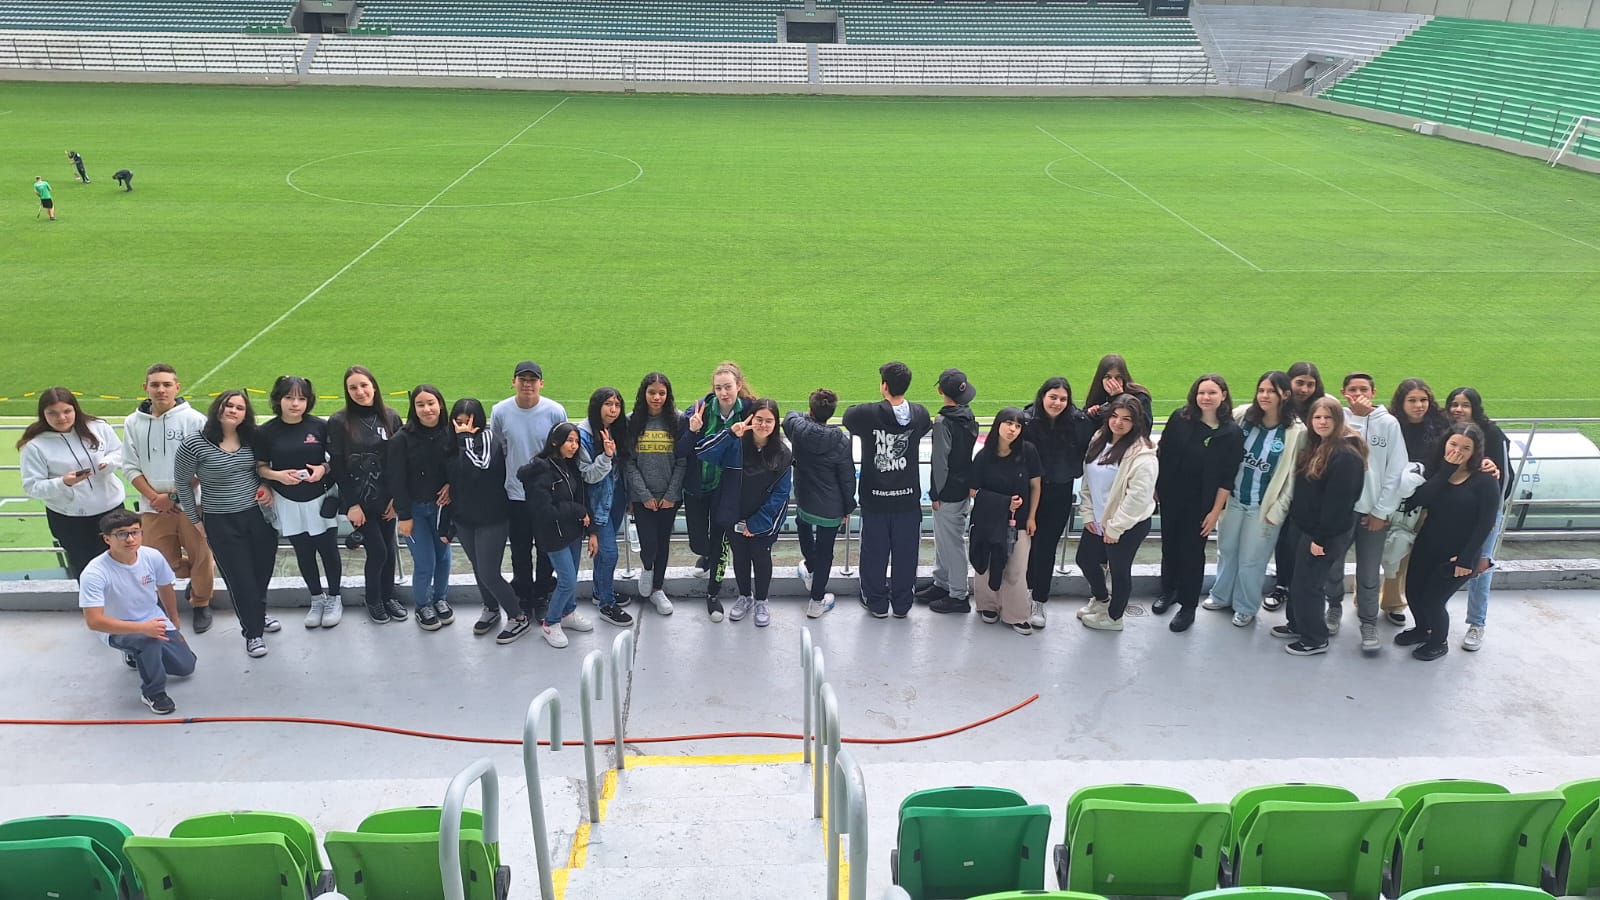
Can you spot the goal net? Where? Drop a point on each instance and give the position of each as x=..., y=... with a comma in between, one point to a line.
x=1583, y=137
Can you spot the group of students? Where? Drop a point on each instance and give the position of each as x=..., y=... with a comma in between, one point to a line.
x=1292, y=472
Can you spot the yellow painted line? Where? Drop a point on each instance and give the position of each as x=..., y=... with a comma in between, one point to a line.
x=580, y=846
x=608, y=792
x=730, y=759
x=558, y=880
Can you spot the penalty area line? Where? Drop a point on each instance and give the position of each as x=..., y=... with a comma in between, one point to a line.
x=375, y=245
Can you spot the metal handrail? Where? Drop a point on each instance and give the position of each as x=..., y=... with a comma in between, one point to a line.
x=828, y=734
x=591, y=687
x=820, y=733
x=455, y=798
x=530, y=766
x=622, y=655
x=848, y=805
x=805, y=669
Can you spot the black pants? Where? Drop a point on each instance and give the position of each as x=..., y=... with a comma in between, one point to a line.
x=1183, y=551
x=485, y=546
x=531, y=576
x=244, y=546
x=708, y=540
x=79, y=537
x=752, y=564
x=1093, y=551
x=889, y=539
x=1055, y=513
x=126, y=182
x=816, y=548
x=655, y=541
x=1430, y=582
x=1307, y=608
x=307, y=549
x=1283, y=558
x=380, y=546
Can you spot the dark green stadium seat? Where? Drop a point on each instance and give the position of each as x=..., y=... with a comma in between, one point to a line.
x=958, y=853
x=1336, y=847
x=1151, y=849
x=108, y=833
x=59, y=868
x=1258, y=892
x=1571, y=864
x=963, y=797
x=1039, y=895
x=1448, y=838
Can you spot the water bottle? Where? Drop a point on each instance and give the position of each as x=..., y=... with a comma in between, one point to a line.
x=633, y=537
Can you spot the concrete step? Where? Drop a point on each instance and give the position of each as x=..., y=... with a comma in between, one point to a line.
x=632, y=811
x=691, y=843
x=757, y=880
x=702, y=783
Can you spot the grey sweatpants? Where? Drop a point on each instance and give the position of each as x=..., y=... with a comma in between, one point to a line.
x=950, y=547
x=1369, y=572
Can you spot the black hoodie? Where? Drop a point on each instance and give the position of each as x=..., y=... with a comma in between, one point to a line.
x=558, y=502
x=824, y=475
x=415, y=468
x=891, y=473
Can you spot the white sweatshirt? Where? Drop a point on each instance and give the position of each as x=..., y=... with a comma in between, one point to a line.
x=153, y=442
x=1386, y=461
x=48, y=458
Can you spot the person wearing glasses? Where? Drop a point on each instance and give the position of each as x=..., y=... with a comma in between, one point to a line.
x=127, y=598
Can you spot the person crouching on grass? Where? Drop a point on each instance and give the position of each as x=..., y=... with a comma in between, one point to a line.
x=751, y=501
x=126, y=596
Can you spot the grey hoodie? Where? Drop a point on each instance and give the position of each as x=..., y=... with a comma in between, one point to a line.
x=153, y=441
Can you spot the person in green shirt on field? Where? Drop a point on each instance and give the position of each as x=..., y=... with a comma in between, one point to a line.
x=42, y=188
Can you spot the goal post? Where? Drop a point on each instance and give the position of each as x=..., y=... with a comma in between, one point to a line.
x=1582, y=127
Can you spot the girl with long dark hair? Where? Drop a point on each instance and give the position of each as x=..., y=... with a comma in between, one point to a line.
x=1111, y=379
x=751, y=501
x=1465, y=404
x=221, y=461
x=1060, y=432
x=1200, y=451
x=1007, y=481
x=479, y=516
x=70, y=461
x=1423, y=424
x=356, y=438
x=292, y=456
x=1116, y=502
x=558, y=503
x=415, y=470
x=1328, y=475
x=653, y=475
x=602, y=451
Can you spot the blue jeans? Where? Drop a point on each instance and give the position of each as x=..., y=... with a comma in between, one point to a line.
x=430, y=557
x=605, y=561
x=156, y=659
x=1478, y=585
x=1244, y=544
x=565, y=598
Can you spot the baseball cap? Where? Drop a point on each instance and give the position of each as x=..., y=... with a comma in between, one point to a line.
x=953, y=384
x=528, y=367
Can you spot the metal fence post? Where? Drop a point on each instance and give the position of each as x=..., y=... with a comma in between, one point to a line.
x=828, y=711
x=805, y=669
x=455, y=798
x=530, y=766
x=621, y=661
x=818, y=670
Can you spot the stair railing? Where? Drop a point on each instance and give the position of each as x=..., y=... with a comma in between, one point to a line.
x=530, y=766
x=591, y=687
x=622, y=656
x=455, y=800
x=818, y=762
x=847, y=814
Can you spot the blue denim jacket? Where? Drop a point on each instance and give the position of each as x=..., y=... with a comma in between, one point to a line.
x=599, y=474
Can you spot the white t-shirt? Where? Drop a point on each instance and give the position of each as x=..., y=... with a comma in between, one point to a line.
x=126, y=592
x=1100, y=479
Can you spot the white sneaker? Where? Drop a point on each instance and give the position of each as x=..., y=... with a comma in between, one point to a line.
x=641, y=585
x=332, y=610
x=1100, y=620
x=1369, y=638
x=741, y=608
x=1474, y=638
x=314, y=614
x=763, y=616
x=1036, y=614
x=1214, y=604
x=659, y=600
x=271, y=625
x=1243, y=620
x=804, y=574
x=1093, y=605
x=816, y=609
x=553, y=635
x=575, y=621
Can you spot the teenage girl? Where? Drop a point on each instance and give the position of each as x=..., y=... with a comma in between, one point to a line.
x=1007, y=481
x=292, y=456
x=70, y=461
x=1060, y=432
x=1423, y=424
x=1465, y=404
x=728, y=402
x=416, y=476
x=1111, y=379
x=356, y=437
x=558, y=504
x=479, y=516
x=1201, y=448
x=1305, y=380
x=1116, y=502
x=654, y=473
x=1329, y=470
x=751, y=501
x=602, y=443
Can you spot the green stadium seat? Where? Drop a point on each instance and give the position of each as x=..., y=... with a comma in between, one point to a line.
x=1411, y=794
x=1333, y=846
x=1258, y=892
x=108, y=833
x=59, y=868
x=963, y=797
x=394, y=855
x=1450, y=837
x=1040, y=895
x=1571, y=864
x=1145, y=848
x=295, y=830
x=237, y=867
x=1245, y=802
x=957, y=853
x=1477, y=891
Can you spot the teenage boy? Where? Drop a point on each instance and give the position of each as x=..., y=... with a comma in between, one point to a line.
x=126, y=595
x=955, y=433
x=824, y=492
x=152, y=434
x=890, y=432
x=77, y=163
x=522, y=423
x=1380, y=497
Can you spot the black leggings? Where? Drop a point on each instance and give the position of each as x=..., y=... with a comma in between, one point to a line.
x=1055, y=513
x=708, y=540
x=1430, y=582
x=752, y=556
x=79, y=537
x=1093, y=551
x=655, y=541
x=1183, y=552
x=1283, y=558
x=307, y=547
x=816, y=548
x=381, y=547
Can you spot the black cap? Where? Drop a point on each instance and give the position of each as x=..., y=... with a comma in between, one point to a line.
x=528, y=367
x=953, y=384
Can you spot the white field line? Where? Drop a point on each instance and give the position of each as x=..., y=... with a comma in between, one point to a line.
x=375, y=245
x=1319, y=180
x=1163, y=207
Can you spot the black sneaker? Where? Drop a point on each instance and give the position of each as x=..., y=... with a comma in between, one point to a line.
x=378, y=613
x=988, y=616
x=514, y=629
x=396, y=611
x=1023, y=628
x=1182, y=620
x=1396, y=617
x=623, y=599
x=1161, y=604
x=1302, y=648
x=160, y=704
x=427, y=619
x=486, y=622
x=1285, y=632
x=714, y=608
x=130, y=660
x=201, y=617
x=1410, y=636
x=875, y=613
x=1430, y=652
x=948, y=604
x=1275, y=600
x=930, y=594
x=615, y=615
x=441, y=608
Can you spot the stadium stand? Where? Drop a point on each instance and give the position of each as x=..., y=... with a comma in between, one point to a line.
x=150, y=52
x=1252, y=45
x=745, y=21
x=924, y=22
x=1013, y=65
x=1525, y=82
x=144, y=15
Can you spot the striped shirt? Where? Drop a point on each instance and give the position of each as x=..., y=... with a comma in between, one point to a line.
x=1262, y=449
x=228, y=480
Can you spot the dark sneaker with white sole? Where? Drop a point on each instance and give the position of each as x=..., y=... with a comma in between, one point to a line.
x=397, y=612
x=201, y=617
x=615, y=615
x=441, y=608
x=427, y=619
x=514, y=629
x=160, y=704
x=1301, y=648
x=487, y=620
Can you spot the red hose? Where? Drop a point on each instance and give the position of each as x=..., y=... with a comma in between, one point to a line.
x=468, y=739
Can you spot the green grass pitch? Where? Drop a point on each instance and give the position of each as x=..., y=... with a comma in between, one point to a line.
x=443, y=235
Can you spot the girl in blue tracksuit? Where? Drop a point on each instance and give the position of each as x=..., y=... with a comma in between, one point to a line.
x=602, y=443
x=751, y=500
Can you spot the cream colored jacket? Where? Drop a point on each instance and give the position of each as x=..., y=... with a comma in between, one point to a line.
x=1133, y=492
x=1280, y=490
